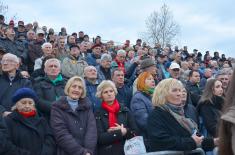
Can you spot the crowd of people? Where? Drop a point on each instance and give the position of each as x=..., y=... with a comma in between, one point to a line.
x=65, y=94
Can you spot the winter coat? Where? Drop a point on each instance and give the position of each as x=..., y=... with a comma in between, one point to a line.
x=91, y=59
x=47, y=93
x=124, y=95
x=9, y=87
x=141, y=106
x=103, y=74
x=71, y=67
x=210, y=113
x=195, y=92
x=91, y=90
x=165, y=133
x=30, y=134
x=75, y=131
x=113, y=142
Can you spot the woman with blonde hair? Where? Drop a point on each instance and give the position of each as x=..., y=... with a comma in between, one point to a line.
x=114, y=122
x=73, y=122
x=167, y=126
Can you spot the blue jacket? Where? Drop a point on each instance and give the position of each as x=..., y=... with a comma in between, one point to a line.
x=91, y=59
x=91, y=91
x=141, y=106
x=124, y=95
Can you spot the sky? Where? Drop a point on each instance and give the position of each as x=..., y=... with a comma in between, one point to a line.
x=204, y=25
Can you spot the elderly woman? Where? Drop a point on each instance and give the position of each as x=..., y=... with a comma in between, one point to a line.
x=28, y=132
x=167, y=127
x=73, y=122
x=141, y=104
x=114, y=122
x=210, y=106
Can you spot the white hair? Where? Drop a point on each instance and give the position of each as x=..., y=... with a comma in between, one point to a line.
x=121, y=52
x=12, y=56
x=52, y=59
x=46, y=44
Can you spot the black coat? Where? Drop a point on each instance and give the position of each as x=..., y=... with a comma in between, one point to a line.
x=195, y=92
x=47, y=93
x=75, y=131
x=165, y=133
x=210, y=113
x=113, y=142
x=8, y=88
x=30, y=134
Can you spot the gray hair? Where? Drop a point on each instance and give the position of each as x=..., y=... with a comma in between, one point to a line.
x=121, y=52
x=46, y=44
x=13, y=57
x=105, y=84
x=106, y=56
x=53, y=59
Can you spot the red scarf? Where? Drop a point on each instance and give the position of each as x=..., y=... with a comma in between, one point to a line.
x=121, y=65
x=28, y=114
x=112, y=110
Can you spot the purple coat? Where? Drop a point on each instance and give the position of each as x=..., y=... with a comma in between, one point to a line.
x=75, y=131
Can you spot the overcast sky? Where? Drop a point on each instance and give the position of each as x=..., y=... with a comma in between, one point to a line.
x=205, y=25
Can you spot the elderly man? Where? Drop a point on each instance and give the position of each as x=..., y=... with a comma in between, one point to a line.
x=104, y=69
x=206, y=75
x=10, y=81
x=94, y=57
x=92, y=82
x=174, y=70
x=73, y=64
x=119, y=61
x=47, y=50
x=50, y=87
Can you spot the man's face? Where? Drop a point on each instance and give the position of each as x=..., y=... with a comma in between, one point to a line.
x=196, y=66
x=175, y=73
x=81, y=34
x=208, y=73
x=9, y=64
x=225, y=80
x=31, y=35
x=106, y=64
x=47, y=50
x=10, y=33
x=52, y=68
x=91, y=73
x=40, y=37
x=75, y=52
x=118, y=77
x=121, y=57
x=97, y=50
x=195, y=78
x=21, y=28
x=62, y=43
x=72, y=40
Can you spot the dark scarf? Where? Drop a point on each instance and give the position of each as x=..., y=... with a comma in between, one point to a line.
x=112, y=110
x=178, y=113
x=28, y=114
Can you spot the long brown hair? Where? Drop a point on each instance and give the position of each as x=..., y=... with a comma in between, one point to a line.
x=208, y=91
x=225, y=134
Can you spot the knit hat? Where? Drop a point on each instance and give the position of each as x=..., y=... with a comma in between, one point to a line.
x=147, y=63
x=141, y=82
x=24, y=93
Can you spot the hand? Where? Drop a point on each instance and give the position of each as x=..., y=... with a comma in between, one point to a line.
x=5, y=113
x=122, y=128
x=25, y=74
x=88, y=154
x=198, y=140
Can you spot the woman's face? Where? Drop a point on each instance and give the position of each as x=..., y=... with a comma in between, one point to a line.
x=75, y=90
x=174, y=96
x=25, y=105
x=149, y=82
x=108, y=95
x=218, y=90
x=183, y=95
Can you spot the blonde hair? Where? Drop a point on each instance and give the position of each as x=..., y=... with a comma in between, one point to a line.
x=105, y=84
x=71, y=81
x=162, y=90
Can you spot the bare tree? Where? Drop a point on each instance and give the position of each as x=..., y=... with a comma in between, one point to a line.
x=161, y=27
x=3, y=8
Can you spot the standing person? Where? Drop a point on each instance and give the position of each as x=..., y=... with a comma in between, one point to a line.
x=210, y=106
x=227, y=124
x=167, y=126
x=114, y=122
x=141, y=104
x=73, y=122
x=27, y=131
